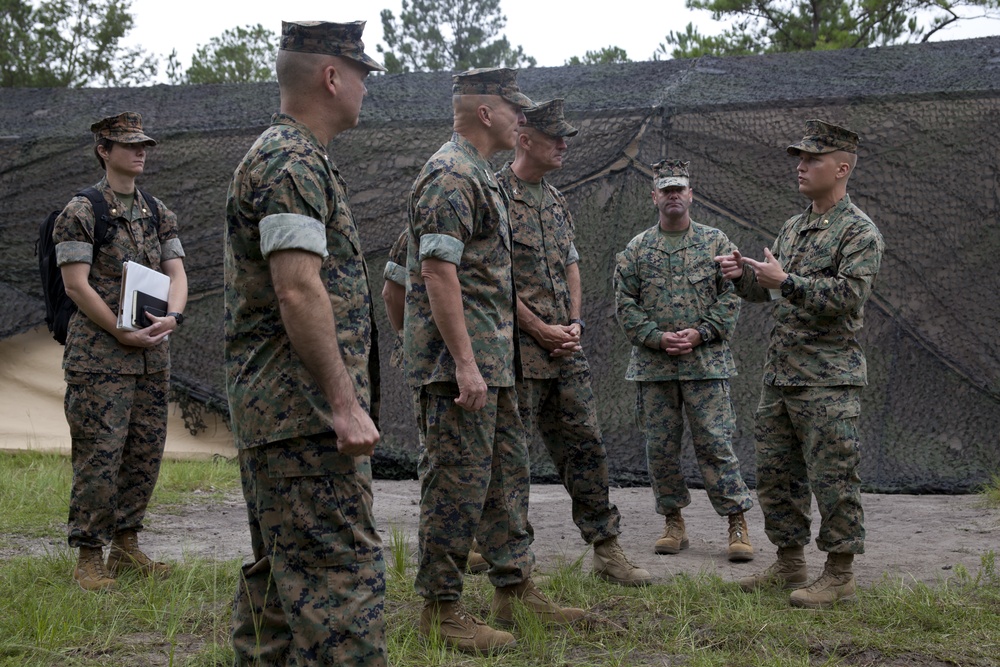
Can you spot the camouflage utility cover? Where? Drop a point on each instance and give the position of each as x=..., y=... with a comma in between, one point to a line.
x=288, y=177
x=822, y=137
x=832, y=262
x=660, y=288
x=125, y=128
x=547, y=117
x=332, y=39
x=671, y=173
x=500, y=81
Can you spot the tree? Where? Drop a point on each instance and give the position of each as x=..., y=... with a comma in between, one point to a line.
x=609, y=54
x=240, y=55
x=771, y=26
x=69, y=43
x=455, y=35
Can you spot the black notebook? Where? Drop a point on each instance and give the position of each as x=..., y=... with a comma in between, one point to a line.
x=143, y=303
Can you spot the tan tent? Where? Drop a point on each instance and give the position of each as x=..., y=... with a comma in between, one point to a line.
x=31, y=404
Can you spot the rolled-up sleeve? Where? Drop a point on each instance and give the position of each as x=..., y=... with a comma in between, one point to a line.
x=572, y=257
x=71, y=252
x=291, y=231
x=394, y=273
x=441, y=246
x=172, y=249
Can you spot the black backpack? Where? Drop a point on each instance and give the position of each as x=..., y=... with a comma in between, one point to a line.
x=59, y=308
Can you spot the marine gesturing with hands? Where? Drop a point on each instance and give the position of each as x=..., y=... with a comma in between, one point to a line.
x=769, y=272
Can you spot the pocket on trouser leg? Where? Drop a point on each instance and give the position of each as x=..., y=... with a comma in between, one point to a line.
x=321, y=513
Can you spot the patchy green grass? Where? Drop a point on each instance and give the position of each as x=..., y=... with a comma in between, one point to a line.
x=35, y=487
x=183, y=620
x=695, y=620
x=991, y=492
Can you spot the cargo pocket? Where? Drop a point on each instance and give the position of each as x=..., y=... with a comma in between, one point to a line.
x=324, y=508
x=842, y=418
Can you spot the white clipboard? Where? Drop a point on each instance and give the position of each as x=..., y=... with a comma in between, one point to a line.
x=139, y=278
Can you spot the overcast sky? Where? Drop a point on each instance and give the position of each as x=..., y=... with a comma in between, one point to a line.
x=552, y=31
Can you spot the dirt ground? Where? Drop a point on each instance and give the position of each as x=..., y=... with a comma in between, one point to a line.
x=919, y=538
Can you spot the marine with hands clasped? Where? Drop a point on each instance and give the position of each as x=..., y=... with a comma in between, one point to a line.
x=554, y=394
x=460, y=354
x=680, y=312
x=819, y=274
x=117, y=380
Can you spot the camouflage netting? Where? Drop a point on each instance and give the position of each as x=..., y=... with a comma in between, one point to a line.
x=928, y=177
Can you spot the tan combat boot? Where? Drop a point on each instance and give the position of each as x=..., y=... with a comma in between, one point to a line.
x=611, y=564
x=674, y=535
x=461, y=630
x=836, y=583
x=788, y=571
x=476, y=562
x=739, y=548
x=90, y=572
x=535, y=601
x=125, y=555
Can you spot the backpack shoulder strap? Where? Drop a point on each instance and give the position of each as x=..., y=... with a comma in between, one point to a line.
x=101, y=218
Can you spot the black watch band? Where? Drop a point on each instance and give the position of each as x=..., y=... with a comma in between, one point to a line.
x=582, y=324
x=177, y=316
x=787, y=286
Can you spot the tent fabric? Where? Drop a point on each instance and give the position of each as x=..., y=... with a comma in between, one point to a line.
x=31, y=405
x=927, y=175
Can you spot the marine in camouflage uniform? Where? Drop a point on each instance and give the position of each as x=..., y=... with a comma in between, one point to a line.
x=303, y=400
x=679, y=312
x=116, y=380
x=394, y=295
x=554, y=394
x=820, y=272
x=460, y=357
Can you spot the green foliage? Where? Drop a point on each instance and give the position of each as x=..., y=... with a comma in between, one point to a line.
x=609, y=54
x=773, y=26
x=693, y=619
x=34, y=493
x=455, y=35
x=35, y=488
x=69, y=43
x=240, y=55
x=182, y=620
x=207, y=479
x=991, y=492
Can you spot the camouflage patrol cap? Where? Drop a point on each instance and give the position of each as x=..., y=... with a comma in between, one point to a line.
x=671, y=173
x=547, y=117
x=500, y=81
x=332, y=39
x=822, y=137
x=125, y=128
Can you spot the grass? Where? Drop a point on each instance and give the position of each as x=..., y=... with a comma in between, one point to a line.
x=991, y=492
x=35, y=487
x=695, y=620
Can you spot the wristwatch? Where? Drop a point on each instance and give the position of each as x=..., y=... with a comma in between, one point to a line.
x=580, y=322
x=787, y=286
x=177, y=316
